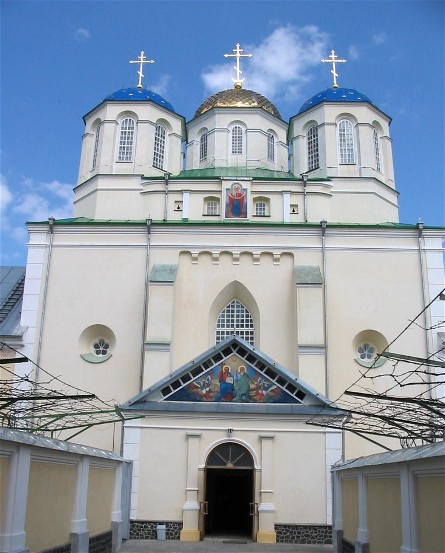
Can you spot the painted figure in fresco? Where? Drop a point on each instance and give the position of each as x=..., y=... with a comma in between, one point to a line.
x=264, y=387
x=242, y=385
x=236, y=199
x=226, y=383
x=204, y=387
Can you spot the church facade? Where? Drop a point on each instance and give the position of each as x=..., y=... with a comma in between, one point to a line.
x=226, y=279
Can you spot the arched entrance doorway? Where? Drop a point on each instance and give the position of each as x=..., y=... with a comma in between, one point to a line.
x=229, y=506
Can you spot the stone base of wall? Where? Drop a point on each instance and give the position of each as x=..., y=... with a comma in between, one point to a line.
x=304, y=534
x=97, y=544
x=65, y=548
x=146, y=530
x=101, y=543
x=347, y=546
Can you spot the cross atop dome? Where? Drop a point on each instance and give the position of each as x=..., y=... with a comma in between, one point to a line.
x=141, y=60
x=333, y=59
x=238, y=53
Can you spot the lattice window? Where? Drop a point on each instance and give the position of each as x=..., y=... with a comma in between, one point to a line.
x=211, y=207
x=312, y=148
x=237, y=139
x=346, y=145
x=260, y=209
x=378, y=162
x=203, y=147
x=126, y=140
x=270, y=147
x=96, y=146
x=235, y=319
x=159, y=149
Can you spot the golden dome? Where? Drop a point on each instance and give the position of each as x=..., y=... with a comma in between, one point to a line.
x=238, y=98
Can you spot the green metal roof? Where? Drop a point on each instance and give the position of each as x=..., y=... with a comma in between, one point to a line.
x=235, y=172
x=88, y=221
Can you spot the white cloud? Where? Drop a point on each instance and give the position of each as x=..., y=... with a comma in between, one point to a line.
x=5, y=194
x=354, y=53
x=82, y=34
x=162, y=85
x=280, y=64
x=379, y=38
x=49, y=199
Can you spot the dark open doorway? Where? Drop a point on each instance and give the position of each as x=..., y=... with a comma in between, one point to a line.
x=229, y=499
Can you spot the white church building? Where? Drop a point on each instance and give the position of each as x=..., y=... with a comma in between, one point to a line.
x=227, y=278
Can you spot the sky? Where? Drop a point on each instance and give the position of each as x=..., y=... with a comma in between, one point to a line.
x=59, y=59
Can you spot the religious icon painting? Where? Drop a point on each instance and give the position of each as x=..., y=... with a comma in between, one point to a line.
x=233, y=381
x=236, y=200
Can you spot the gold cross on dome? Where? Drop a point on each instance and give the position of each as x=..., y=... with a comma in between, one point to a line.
x=333, y=59
x=238, y=54
x=141, y=60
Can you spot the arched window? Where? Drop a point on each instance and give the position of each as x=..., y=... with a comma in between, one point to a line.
x=346, y=146
x=378, y=161
x=96, y=146
x=270, y=147
x=235, y=319
x=203, y=147
x=237, y=139
x=126, y=139
x=159, y=148
x=312, y=148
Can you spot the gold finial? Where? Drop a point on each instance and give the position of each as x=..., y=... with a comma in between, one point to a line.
x=238, y=54
x=333, y=59
x=141, y=60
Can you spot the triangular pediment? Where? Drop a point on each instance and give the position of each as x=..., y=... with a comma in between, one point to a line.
x=231, y=373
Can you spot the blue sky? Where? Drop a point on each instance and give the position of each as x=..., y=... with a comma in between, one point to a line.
x=59, y=59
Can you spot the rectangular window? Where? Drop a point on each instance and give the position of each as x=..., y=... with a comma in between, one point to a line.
x=260, y=209
x=212, y=208
x=203, y=147
x=159, y=149
x=126, y=140
x=312, y=149
x=346, y=142
x=237, y=140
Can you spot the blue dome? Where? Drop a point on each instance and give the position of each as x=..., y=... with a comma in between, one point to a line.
x=139, y=94
x=334, y=95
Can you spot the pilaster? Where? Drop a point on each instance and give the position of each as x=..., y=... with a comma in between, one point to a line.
x=190, y=528
x=13, y=536
x=79, y=536
x=266, y=509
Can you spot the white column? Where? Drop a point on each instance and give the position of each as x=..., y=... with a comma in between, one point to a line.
x=337, y=505
x=185, y=204
x=409, y=515
x=266, y=509
x=13, y=537
x=286, y=207
x=361, y=545
x=79, y=536
x=190, y=527
x=116, y=514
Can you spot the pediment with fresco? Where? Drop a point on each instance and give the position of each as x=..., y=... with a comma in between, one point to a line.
x=232, y=372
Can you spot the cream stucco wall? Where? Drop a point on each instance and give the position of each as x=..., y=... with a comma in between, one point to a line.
x=50, y=504
x=384, y=514
x=431, y=512
x=100, y=499
x=349, y=502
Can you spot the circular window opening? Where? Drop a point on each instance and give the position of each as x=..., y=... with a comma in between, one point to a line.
x=96, y=343
x=367, y=345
